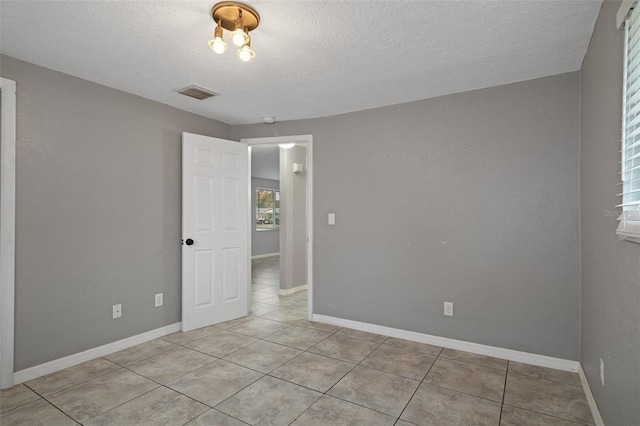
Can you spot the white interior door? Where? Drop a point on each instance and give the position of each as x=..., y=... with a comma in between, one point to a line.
x=215, y=182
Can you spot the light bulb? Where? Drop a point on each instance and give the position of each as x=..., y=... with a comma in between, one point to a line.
x=217, y=44
x=239, y=37
x=246, y=54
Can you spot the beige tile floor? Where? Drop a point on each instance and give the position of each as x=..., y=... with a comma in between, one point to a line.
x=276, y=368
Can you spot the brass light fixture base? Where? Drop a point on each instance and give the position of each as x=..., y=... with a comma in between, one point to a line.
x=227, y=13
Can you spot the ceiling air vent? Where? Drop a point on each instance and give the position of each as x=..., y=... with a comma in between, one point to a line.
x=197, y=92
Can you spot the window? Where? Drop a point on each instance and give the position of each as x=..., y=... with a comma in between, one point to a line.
x=629, y=228
x=267, y=209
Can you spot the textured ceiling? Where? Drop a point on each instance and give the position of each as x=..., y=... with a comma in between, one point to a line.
x=314, y=58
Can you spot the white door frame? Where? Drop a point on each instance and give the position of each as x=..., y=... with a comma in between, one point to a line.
x=7, y=229
x=308, y=140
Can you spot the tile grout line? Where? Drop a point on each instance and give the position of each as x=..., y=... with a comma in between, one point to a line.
x=418, y=387
x=372, y=368
x=226, y=414
x=269, y=373
x=529, y=376
x=45, y=400
x=549, y=415
x=216, y=360
x=476, y=363
x=347, y=373
x=213, y=407
x=459, y=391
x=125, y=402
x=325, y=393
x=209, y=407
x=243, y=366
x=26, y=403
x=504, y=392
x=79, y=383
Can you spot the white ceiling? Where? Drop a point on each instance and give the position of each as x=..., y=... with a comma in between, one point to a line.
x=265, y=162
x=314, y=58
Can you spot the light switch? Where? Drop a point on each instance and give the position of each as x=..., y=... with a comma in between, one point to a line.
x=332, y=218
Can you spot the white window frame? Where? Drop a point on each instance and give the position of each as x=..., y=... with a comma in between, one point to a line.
x=629, y=227
x=276, y=197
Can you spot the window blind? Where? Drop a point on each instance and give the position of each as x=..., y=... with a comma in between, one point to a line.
x=629, y=227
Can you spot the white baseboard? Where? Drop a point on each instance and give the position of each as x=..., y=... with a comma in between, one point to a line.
x=75, y=359
x=597, y=418
x=511, y=355
x=291, y=291
x=260, y=256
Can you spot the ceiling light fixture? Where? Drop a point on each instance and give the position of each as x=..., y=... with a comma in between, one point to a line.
x=239, y=19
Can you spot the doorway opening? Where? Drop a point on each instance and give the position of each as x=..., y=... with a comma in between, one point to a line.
x=281, y=237
x=265, y=232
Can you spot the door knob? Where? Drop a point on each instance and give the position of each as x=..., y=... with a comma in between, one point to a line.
x=190, y=242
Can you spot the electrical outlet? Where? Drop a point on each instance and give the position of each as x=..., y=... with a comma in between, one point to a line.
x=602, y=372
x=448, y=309
x=117, y=311
x=159, y=299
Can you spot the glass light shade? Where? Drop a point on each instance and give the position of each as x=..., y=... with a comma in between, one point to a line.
x=239, y=37
x=245, y=53
x=217, y=44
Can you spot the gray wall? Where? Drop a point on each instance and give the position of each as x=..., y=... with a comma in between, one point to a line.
x=610, y=268
x=299, y=226
x=471, y=198
x=98, y=202
x=293, y=235
x=263, y=242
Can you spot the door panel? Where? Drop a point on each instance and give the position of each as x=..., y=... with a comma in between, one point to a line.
x=214, y=215
x=230, y=275
x=203, y=189
x=203, y=280
x=230, y=192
